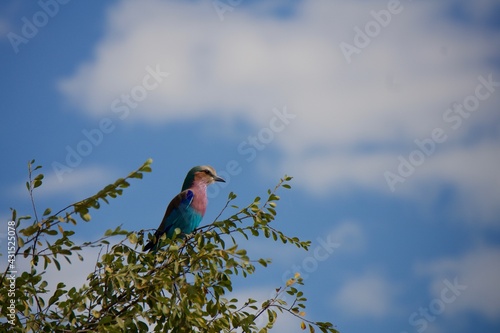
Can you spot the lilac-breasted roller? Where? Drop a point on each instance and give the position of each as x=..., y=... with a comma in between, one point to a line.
x=187, y=208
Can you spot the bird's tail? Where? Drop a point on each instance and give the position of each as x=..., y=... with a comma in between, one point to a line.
x=152, y=243
x=149, y=246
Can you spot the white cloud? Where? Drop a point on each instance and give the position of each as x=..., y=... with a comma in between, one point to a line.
x=479, y=271
x=350, y=235
x=226, y=66
x=72, y=275
x=83, y=177
x=369, y=295
x=472, y=170
x=323, y=172
x=393, y=92
x=81, y=181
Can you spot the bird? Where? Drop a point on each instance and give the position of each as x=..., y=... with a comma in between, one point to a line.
x=187, y=208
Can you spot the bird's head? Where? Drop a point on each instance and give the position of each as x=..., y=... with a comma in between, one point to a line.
x=204, y=174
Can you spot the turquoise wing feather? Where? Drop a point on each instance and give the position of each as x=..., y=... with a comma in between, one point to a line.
x=179, y=214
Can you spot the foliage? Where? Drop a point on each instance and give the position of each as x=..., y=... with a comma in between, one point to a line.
x=184, y=287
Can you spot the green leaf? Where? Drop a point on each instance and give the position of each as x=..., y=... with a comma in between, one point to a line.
x=37, y=181
x=58, y=266
x=136, y=175
x=51, y=232
x=263, y=262
x=132, y=238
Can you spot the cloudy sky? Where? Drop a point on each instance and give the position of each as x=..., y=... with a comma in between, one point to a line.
x=385, y=112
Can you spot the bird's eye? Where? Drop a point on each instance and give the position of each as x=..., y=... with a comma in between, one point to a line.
x=207, y=172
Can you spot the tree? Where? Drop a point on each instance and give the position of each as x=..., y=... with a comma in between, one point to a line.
x=180, y=288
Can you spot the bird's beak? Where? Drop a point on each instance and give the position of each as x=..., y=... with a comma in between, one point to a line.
x=219, y=179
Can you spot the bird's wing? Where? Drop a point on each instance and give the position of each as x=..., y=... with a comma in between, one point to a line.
x=174, y=211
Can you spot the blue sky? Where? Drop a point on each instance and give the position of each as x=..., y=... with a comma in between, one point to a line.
x=385, y=112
